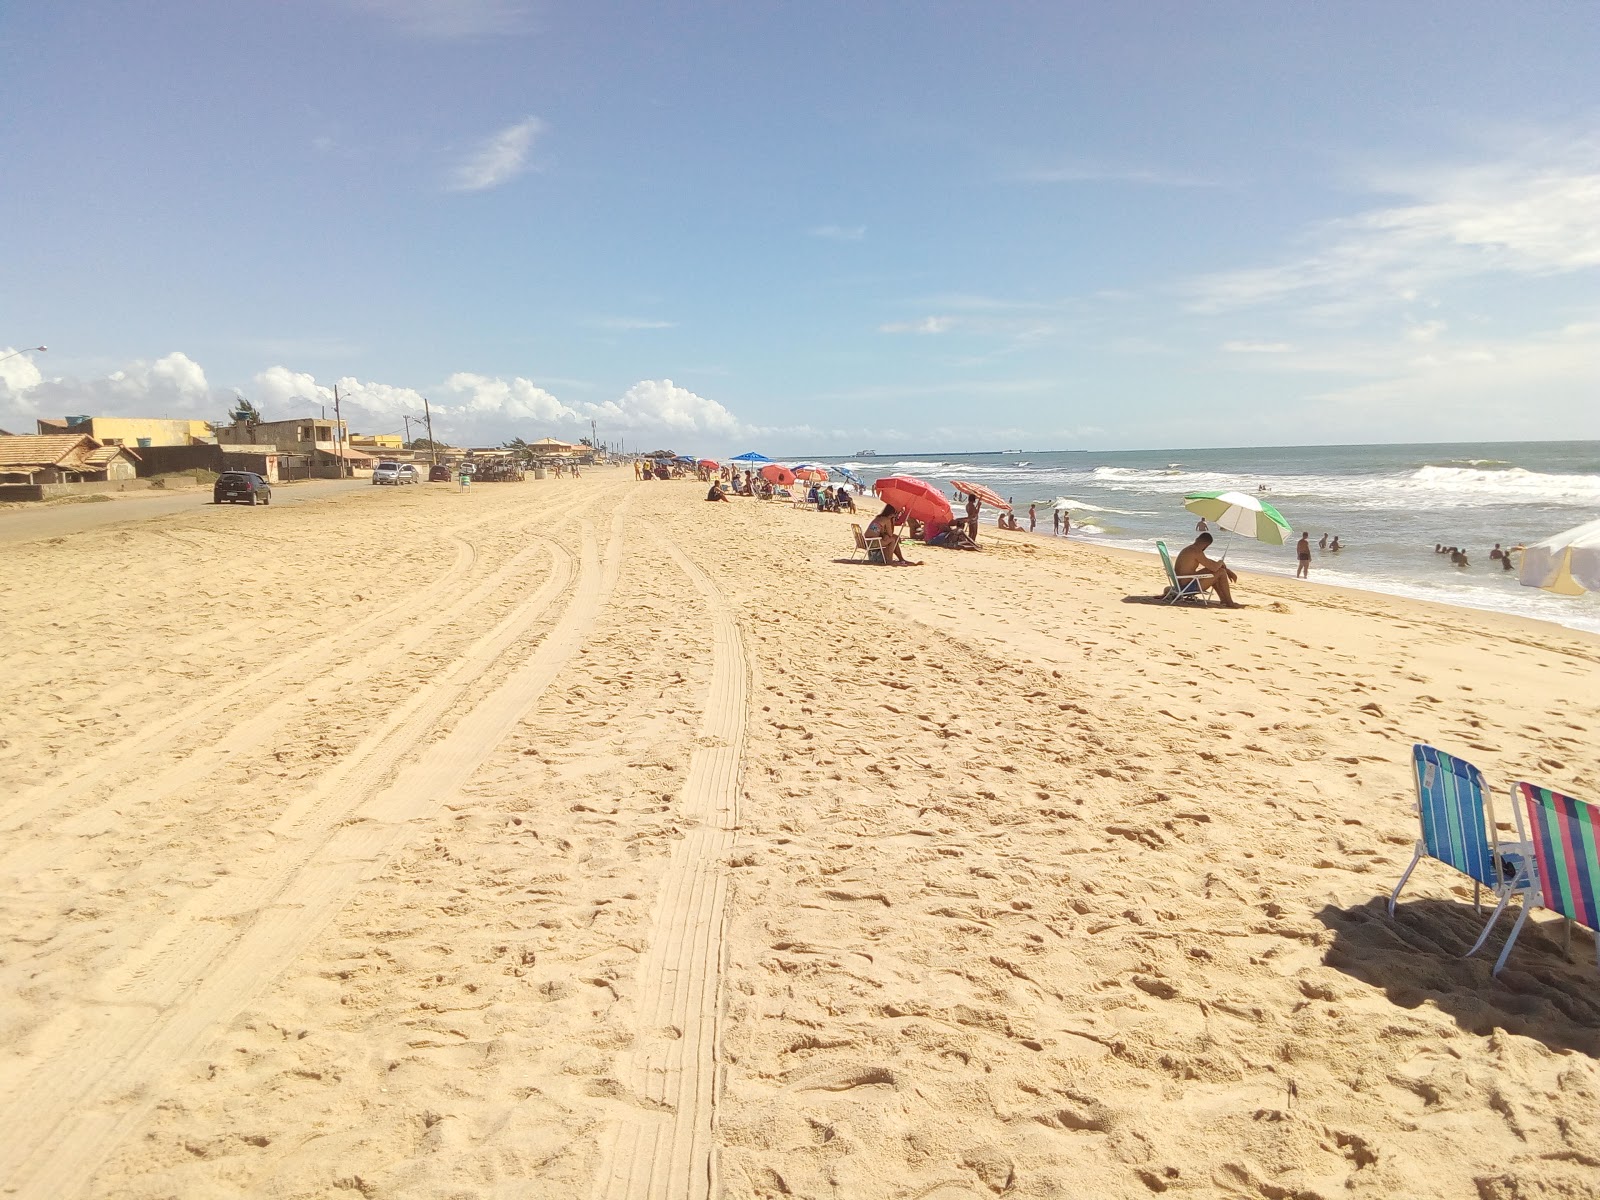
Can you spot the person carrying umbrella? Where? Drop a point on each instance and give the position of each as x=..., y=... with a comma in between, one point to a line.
x=1213, y=574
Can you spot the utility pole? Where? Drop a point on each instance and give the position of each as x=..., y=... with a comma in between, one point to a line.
x=338, y=429
x=594, y=445
x=406, y=417
x=433, y=450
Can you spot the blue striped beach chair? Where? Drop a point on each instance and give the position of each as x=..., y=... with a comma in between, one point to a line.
x=1566, y=858
x=1458, y=830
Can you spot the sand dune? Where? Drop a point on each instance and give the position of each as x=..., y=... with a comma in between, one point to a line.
x=581, y=838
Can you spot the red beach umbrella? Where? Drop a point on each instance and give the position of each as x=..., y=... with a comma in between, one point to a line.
x=984, y=495
x=779, y=475
x=811, y=474
x=710, y=464
x=916, y=497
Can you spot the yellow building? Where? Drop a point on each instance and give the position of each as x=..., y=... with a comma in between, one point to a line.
x=132, y=431
x=377, y=441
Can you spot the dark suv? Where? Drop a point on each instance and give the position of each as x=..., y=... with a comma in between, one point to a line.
x=241, y=487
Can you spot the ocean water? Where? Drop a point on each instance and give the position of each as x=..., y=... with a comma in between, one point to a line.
x=1388, y=504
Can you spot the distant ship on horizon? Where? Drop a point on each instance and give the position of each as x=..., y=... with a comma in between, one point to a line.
x=866, y=454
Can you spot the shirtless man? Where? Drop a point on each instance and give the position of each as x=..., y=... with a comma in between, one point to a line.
x=1213, y=574
x=972, y=517
x=1302, y=552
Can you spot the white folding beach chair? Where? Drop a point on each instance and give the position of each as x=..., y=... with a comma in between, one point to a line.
x=872, y=547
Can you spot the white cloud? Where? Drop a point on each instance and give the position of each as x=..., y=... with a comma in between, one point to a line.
x=631, y=323
x=280, y=389
x=450, y=19
x=1500, y=389
x=480, y=396
x=172, y=385
x=1529, y=217
x=499, y=158
x=839, y=233
x=661, y=405
x=1257, y=347
x=923, y=325
x=18, y=372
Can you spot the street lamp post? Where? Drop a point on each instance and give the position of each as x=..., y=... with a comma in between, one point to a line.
x=24, y=350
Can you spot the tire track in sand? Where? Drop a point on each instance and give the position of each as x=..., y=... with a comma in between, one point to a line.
x=664, y=1150
x=103, y=1081
x=261, y=724
x=112, y=760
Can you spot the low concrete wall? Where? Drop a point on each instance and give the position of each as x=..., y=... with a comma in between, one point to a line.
x=51, y=491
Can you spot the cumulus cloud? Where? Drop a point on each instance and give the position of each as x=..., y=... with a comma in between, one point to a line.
x=484, y=395
x=499, y=158
x=172, y=385
x=661, y=405
x=468, y=408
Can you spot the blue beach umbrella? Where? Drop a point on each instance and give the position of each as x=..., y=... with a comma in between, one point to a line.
x=751, y=457
x=851, y=476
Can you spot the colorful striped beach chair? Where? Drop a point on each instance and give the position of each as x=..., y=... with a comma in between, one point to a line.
x=1458, y=830
x=1566, y=860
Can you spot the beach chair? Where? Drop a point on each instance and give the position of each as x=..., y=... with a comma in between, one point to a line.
x=1566, y=861
x=1458, y=829
x=1182, y=587
x=872, y=547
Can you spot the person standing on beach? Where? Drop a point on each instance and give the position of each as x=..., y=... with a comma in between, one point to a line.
x=1033, y=518
x=972, y=517
x=1302, y=552
x=1055, y=522
x=1066, y=522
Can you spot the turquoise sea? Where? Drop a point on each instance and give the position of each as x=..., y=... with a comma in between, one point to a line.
x=1388, y=504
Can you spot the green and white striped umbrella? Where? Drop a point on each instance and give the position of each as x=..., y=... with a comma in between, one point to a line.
x=1241, y=513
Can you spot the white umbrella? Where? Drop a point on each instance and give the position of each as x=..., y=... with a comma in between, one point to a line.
x=1567, y=564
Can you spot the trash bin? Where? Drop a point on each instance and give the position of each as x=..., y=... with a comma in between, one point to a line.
x=538, y=472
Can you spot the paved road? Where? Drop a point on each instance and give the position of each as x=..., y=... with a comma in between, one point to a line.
x=55, y=520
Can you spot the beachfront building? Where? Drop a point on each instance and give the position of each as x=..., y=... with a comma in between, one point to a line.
x=64, y=458
x=321, y=442
x=377, y=443
x=549, y=447
x=131, y=431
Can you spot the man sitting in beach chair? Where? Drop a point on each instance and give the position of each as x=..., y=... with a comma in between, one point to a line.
x=1211, y=574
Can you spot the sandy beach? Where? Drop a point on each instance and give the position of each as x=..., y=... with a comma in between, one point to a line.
x=581, y=838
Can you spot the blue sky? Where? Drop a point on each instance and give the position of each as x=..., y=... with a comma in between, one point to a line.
x=811, y=227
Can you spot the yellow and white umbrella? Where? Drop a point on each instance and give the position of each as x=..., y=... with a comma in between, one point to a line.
x=1567, y=564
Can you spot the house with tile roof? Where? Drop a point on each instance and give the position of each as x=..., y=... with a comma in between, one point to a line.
x=64, y=458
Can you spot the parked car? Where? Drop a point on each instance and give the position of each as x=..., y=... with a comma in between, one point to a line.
x=408, y=474
x=386, y=472
x=438, y=473
x=241, y=487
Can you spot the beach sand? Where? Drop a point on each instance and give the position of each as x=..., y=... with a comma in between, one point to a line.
x=580, y=838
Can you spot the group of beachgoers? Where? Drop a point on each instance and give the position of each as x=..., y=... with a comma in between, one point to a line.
x=824, y=498
x=1458, y=555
